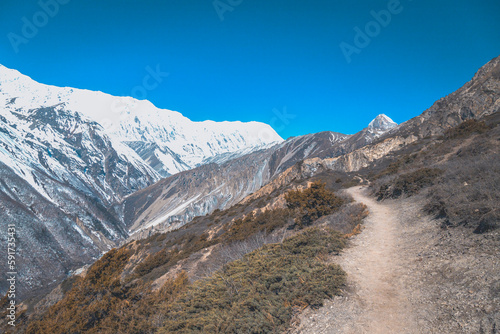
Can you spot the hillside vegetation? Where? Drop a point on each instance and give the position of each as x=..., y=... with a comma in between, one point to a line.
x=459, y=174
x=260, y=287
x=260, y=292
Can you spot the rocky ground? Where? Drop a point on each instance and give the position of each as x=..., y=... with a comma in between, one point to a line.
x=406, y=274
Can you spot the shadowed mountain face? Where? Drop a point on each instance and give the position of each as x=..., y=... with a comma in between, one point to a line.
x=59, y=175
x=197, y=192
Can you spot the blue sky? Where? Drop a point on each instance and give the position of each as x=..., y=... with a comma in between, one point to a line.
x=275, y=61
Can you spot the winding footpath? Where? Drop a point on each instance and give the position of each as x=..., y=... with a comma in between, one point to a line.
x=375, y=267
x=408, y=275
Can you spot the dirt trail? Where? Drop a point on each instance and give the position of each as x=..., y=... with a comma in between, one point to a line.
x=407, y=275
x=375, y=267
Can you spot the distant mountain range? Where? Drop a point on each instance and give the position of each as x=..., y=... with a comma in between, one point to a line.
x=174, y=201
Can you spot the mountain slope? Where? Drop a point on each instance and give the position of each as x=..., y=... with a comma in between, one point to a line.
x=477, y=99
x=60, y=173
x=176, y=200
x=63, y=167
x=197, y=192
x=454, y=169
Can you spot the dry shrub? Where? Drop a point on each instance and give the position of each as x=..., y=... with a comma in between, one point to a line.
x=259, y=293
x=347, y=218
x=355, y=231
x=464, y=188
x=395, y=166
x=409, y=183
x=312, y=203
x=151, y=262
x=226, y=253
x=267, y=221
x=90, y=301
x=466, y=128
x=468, y=194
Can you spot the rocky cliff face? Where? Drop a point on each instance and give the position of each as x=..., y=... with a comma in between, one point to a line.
x=60, y=173
x=476, y=99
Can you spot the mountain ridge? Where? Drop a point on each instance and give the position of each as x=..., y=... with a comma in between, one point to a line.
x=174, y=201
x=129, y=120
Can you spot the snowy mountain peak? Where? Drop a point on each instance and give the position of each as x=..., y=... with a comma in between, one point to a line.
x=10, y=74
x=382, y=123
x=165, y=139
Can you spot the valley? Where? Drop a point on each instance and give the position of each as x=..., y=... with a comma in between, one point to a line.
x=393, y=229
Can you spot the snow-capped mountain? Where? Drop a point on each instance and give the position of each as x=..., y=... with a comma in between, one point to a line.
x=381, y=124
x=67, y=156
x=165, y=139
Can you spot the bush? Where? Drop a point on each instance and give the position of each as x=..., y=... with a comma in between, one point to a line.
x=395, y=166
x=348, y=218
x=259, y=293
x=266, y=221
x=351, y=183
x=312, y=203
x=468, y=194
x=303, y=207
x=465, y=129
x=465, y=190
x=409, y=184
x=233, y=251
x=173, y=251
x=151, y=262
x=90, y=301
